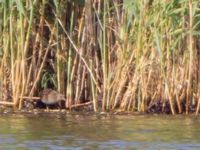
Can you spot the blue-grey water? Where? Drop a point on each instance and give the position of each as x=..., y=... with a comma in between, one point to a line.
x=85, y=132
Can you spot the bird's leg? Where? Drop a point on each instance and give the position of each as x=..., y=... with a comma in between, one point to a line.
x=68, y=104
x=47, y=108
x=60, y=105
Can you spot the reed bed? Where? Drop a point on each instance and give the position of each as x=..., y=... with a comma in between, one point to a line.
x=120, y=54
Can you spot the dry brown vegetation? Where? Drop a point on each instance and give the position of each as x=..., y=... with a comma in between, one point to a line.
x=131, y=55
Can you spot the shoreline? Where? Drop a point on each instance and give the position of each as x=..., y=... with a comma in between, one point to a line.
x=10, y=111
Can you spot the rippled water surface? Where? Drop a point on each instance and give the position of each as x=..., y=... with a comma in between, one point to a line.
x=60, y=132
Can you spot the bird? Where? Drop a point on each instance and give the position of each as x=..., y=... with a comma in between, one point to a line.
x=51, y=97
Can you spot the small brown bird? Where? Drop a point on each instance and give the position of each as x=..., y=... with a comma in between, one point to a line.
x=50, y=97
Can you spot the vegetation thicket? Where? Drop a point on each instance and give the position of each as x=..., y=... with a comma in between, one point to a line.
x=133, y=55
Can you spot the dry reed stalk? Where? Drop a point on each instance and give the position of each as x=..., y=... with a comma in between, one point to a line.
x=7, y=103
x=198, y=100
x=81, y=105
x=198, y=105
x=119, y=90
x=191, y=58
x=170, y=97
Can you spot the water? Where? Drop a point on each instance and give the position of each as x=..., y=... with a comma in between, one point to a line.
x=61, y=132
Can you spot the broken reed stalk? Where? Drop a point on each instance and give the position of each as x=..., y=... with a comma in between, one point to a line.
x=38, y=98
x=78, y=52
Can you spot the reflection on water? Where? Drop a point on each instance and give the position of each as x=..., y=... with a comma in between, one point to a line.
x=60, y=132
